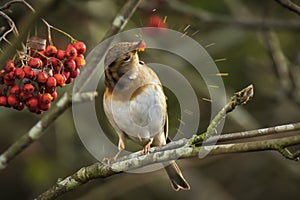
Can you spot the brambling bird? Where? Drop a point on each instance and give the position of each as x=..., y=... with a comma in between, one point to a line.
x=135, y=104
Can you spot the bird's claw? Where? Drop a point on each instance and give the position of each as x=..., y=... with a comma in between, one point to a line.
x=146, y=148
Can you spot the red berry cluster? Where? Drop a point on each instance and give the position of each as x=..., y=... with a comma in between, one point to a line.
x=32, y=80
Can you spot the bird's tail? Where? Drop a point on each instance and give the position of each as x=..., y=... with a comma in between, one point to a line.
x=177, y=180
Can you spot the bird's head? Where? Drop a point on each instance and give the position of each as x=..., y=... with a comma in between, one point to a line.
x=120, y=59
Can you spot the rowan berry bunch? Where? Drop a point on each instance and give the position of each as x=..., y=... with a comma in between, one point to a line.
x=31, y=79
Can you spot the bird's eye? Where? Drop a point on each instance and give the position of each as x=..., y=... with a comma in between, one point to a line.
x=127, y=58
x=141, y=62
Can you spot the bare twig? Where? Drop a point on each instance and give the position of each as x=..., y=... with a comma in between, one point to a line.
x=290, y=5
x=253, y=24
x=13, y=27
x=258, y=132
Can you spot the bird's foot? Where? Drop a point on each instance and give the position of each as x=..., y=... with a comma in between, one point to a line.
x=147, y=147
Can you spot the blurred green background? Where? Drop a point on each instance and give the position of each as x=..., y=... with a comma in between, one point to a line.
x=260, y=175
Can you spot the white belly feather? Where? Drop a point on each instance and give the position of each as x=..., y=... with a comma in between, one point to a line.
x=142, y=117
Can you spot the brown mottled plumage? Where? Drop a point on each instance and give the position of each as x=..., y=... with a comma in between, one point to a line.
x=135, y=103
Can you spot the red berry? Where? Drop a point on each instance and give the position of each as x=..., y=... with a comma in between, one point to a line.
x=23, y=96
x=51, y=82
x=45, y=107
x=80, y=47
x=55, y=64
x=19, y=73
x=54, y=95
x=3, y=101
x=61, y=54
x=32, y=104
x=35, y=62
x=80, y=61
x=53, y=61
x=57, y=69
x=71, y=52
x=42, y=77
x=66, y=74
x=70, y=65
x=12, y=100
x=28, y=88
x=10, y=66
x=45, y=98
x=15, y=90
x=74, y=73
x=9, y=76
x=60, y=79
x=29, y=73
x=51, y=51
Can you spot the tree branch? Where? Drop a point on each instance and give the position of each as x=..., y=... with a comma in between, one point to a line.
x=63, y=104
x=100, y=170
x=290, y=5
x=283, y=69
x=183, y=148
x=253, y=24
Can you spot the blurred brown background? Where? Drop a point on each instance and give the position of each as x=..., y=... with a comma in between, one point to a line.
x=260, y=175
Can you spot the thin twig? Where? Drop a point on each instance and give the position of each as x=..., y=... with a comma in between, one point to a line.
x=10, y=21
x=290, y=5
x=13, y=27
x=259, y=132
